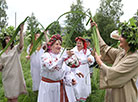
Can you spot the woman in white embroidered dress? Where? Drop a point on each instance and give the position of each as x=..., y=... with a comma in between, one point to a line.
x=35, y=61
x=84, y=84
x=10, y=65
x=51, y=86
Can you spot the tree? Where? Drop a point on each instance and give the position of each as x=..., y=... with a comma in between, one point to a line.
x=32, y=28
x=3, y=15
x=108, y=17
x=7, y=31
x=79, y=29
x=55, y=28
x=136, y=17
x=32, y=24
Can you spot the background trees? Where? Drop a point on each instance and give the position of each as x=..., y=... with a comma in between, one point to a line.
x=72, y=18
x=3, y=15
x=136, y=17
x=108, y=17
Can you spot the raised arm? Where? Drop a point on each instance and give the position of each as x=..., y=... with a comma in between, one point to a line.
x=101, y=41
x=46, y=37
x=1, y=66
x=21, y=43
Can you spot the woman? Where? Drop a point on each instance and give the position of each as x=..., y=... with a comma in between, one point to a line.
x=83, y=88
x=35, y=61
x=53, y=74
x=12, y=75
x=119, y=79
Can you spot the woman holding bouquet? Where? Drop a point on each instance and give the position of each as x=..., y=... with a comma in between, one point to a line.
x=83, y=88
x=54, y=75
x=119, y=80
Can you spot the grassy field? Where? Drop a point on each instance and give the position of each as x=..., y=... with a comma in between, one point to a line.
x=96, y=95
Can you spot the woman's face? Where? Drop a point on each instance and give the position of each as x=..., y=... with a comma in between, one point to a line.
x=37, y=36
x=56, y=47
x=79, y=45
x=88, y=44
x=7, y=39
x=123, y=42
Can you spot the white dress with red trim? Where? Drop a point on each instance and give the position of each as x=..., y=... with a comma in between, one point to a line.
x=83, y=88
x=35, y=67
x=52, y=68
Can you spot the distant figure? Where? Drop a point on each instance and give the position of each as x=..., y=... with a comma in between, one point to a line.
x=35, y=61
x=91, y=65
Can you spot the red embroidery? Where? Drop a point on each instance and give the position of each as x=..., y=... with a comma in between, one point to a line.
x=44, y=65
x=50, y=62
x=56, y=59
x=45, y=59
x=56, y=68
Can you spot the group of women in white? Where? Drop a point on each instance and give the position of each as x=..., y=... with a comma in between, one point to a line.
x=63, y=75
x=58, y=75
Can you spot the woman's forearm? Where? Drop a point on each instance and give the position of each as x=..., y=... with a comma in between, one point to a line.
x=21, y=43
x=46, y=37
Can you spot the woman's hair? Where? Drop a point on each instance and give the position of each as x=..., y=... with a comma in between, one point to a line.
x=130, y=33
x=4, y=43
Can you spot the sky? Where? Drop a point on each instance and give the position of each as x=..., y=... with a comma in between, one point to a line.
x=47, y=11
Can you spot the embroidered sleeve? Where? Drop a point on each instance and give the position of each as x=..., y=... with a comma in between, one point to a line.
x=51, y=63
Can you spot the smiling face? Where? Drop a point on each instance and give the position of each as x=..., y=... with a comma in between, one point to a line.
x=56, y=47
x=79, y=45
x=7, y=39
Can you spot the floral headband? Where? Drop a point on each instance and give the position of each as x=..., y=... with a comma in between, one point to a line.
x=54, y=38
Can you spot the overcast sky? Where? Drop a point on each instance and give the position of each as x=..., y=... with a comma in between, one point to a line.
x=47, y=11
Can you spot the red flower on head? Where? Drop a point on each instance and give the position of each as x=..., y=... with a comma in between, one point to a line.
x=84, y=43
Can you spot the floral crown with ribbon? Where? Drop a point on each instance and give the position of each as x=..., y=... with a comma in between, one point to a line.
x=52, y=40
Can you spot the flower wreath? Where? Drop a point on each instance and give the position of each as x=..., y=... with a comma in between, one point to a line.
x=129, y=31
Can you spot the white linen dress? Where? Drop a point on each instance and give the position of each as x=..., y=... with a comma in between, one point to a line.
x=35, y=67
x=12, y=74
x=83, y=88
x=52, y=69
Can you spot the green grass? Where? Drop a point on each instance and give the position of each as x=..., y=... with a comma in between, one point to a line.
x=97, y=95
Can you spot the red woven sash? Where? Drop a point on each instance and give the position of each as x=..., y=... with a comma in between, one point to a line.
x=61, y=88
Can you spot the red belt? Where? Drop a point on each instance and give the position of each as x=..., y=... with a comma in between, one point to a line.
x=61, y=87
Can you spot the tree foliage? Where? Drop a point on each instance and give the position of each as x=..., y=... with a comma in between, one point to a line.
x=107, y=17
x=55, y=28
x=71, y=18
x=32, y=24
x=136, y=17
x=3, y=15
x=32, y=28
